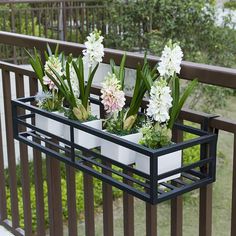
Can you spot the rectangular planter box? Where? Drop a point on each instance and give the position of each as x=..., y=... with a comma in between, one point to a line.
x=165, y=164
x=113, y=163
x=119, y=153
x=84, y=139
x=50, y=125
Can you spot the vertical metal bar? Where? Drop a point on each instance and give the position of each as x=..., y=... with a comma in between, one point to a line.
x=13, y=29
x=38, y=175
x=71, y=200
x=71, y=24
x=10, y=148
x=89, y=205
x=82, y=19
x=76, y=25
x=24, y=163
x=64, y=20
x=26, y=22
x=233, y=214
x=39, y=22
x=46, y=19
x=32, y=23
x=54, y=195
x=177, y=203
x=151, y=210
x=128, y=211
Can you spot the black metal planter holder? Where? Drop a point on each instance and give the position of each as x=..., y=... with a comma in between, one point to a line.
x=127, y=178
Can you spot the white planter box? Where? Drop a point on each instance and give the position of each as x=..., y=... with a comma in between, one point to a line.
x=50, y=125
x=119, y=153
x=85, y=139
x=166, y=163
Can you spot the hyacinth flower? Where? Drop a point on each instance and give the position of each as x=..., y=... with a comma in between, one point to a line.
x=50, y=98
x=123, y=120
x=165, y=99
x=72, y=83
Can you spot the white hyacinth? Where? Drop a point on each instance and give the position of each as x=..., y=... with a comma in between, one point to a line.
x=94, y=51
x=55, y=63
x=74, y=81
x=170, y=60
x=160, y=102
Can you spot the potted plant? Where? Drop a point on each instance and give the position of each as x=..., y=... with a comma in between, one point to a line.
x=123, y=121
x=49, y=99
x=76, y=90
x=165, y=104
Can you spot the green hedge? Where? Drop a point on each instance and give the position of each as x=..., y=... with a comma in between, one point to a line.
x=230, y=5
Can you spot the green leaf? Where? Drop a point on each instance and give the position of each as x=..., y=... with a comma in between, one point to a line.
x=122, y=71
x=88, y=86
x=80, y=76
x=113, y=65
x=181, y=102
x=56, y=50
x=49, y=50
x=37, y=66
x=175, y=96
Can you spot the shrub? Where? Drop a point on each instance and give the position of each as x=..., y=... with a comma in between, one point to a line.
x=230, y=5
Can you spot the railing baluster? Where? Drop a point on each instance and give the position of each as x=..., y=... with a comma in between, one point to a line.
x=233, y=216
x=151, y=219
x=177, y=203
x=54, y=196
x=205, y=221
x=71, y=200
x=38, y=175
x=205, y=204
x=10, y=148
x=89, y=205
x=3, y=204
x=128, y=211
x=24, y=164
x=107, y=207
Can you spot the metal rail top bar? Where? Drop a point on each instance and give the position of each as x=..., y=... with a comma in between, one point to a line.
x=215, y=75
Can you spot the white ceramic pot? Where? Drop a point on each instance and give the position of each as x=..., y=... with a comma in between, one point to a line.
x=119, y=153
x=50, y=125
x=85, y=139
x=166, y=163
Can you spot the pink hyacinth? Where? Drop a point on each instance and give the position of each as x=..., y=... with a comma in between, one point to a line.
x=49, y=82
x=113, y=98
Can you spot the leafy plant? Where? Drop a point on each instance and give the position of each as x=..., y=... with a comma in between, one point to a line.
x=49, y=99
x=125, y=121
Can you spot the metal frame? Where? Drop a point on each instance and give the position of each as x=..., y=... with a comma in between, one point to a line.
x=141, y=185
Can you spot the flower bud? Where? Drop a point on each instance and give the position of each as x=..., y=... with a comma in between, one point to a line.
x=129, y=122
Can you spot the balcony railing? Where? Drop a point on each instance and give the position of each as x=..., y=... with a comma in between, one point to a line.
x=16, y=81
